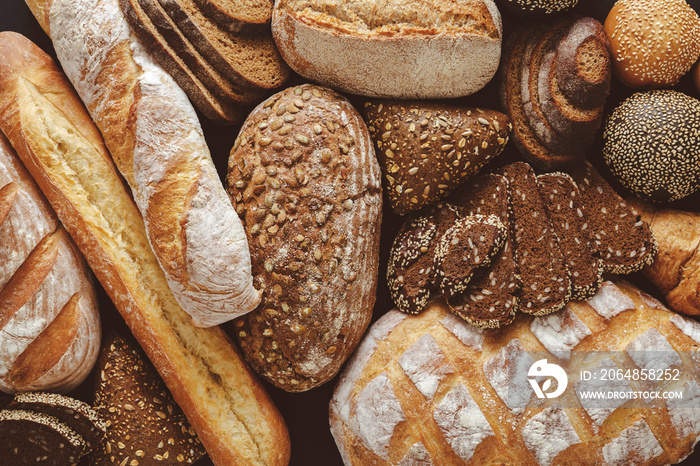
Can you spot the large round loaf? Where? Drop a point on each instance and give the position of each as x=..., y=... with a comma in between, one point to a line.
x=49, y=318
x=395, y=49
x=304, y=178
x=430, y=389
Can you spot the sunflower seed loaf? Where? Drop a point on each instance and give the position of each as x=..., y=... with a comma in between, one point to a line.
x=303, y=177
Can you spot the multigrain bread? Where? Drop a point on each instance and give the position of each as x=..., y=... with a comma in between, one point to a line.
x=156, y=141
x=654, y=42
x=428, y=149
x=238, y=15
x=305, y=180
x=61, y=147
x=430, y=389
x=402, y=49
x=49, y=316
x=250, y=60
x=143, y=421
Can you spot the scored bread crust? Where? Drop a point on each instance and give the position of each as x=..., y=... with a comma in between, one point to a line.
x=226, y=405
x=431, y=389
x=157, y=143
x=49, y=317
x=382, y=61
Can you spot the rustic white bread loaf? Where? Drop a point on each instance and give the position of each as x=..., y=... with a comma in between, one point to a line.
x=153, y=134
x=430, y=389
x=49, y=319
x=53, y=134
x=400, y=48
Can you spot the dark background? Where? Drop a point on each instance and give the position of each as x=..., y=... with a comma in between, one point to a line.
x=306, y=413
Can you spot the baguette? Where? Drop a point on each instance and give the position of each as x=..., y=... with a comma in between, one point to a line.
x=52, y=132
x=157, y=143
x=49, y=319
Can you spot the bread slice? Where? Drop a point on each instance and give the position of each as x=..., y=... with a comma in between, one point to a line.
x=624, y=242
x=490, y=300
x=252, y=60
x=238, y=15
x=546, y=286
x=562, y=200
x=410, y=271
x=211, y=106
x=466, y=247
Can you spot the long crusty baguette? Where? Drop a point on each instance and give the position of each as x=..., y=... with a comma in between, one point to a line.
x=153, y=134
x=52, y=133
x=49, y=319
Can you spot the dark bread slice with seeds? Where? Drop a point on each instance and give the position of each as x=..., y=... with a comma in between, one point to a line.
x=490, y=300
x=34, y=438
x=76, y=414
x=251, y=60
x=143, y=421
x=623, y=240
x=546, y=286
x=467, y=246
x=410, y=271
x=427, y=149
x=562, y=200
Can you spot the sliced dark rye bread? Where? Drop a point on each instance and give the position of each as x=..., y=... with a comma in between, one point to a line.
x=510, y=85
x=251, y=60
x=467, y=246
x=212, y=107
x=76, y=414
x=624, y=242
x=546, y=286
x=490, y=300
x=164, y=29
x=34, y=438
x=562, y=200
x=410, y=271
x=238, y=15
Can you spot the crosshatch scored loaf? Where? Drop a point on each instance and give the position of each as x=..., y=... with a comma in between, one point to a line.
x=431, y=389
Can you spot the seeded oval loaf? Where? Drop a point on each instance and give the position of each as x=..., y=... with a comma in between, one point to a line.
x=431, y=389
x=403, y=49
x=536, y=7
x=304, y=178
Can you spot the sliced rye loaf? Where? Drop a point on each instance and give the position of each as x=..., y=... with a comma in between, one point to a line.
x=562, y=200
x=491, y=299
x=510, y=86
x=238, y=15
x=466, y=247
x=28, y=438
x=211, y=105
x=624, y=242
x=251, y=60
x=76, y=414
x=546, y=286
x=410, y=271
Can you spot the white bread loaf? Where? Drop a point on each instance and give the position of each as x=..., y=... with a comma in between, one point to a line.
x=430, y=389
x=49, y=318
x=63, y=150
x=391, y=48
x=155, y=138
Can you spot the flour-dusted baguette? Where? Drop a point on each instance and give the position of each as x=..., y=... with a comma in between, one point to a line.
x=49, y=319
x=430, y=389
x=154, y=136
x=403, y=48
x=53, y=134
x=304, y=177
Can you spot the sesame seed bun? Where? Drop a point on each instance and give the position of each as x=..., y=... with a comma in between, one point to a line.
x=654, y=42
x=536, y=7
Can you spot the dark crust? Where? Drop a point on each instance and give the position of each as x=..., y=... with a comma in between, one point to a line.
x=561, y=198
x=235, y=23
x=426, y=149
x=303, y=177
x=488, y=195
x=546, y=287
x=604, y=209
